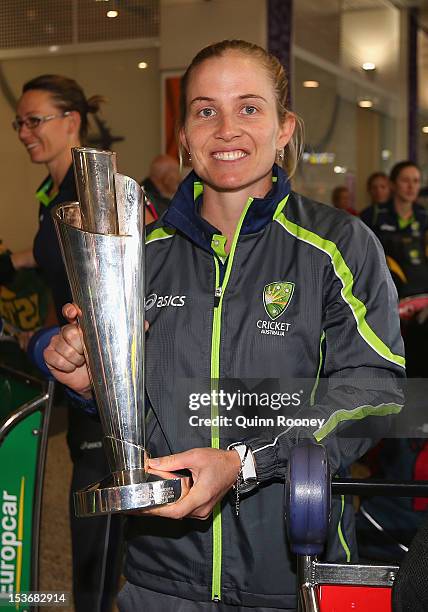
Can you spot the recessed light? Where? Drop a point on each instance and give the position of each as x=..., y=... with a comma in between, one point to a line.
x=368, y=66
x=311, y=84
x=425, y=129
x=112, y=14
x=142, y=65
x=365, y=103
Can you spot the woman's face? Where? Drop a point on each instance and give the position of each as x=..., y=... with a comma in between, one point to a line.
x=407, y=184
x=51, y=138
x=232, y=131
x=379, y=190
x=343, y=199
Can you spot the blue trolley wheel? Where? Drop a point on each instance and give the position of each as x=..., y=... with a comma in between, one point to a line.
x=308, y=498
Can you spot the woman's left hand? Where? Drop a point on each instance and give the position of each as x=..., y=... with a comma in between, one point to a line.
x=213, y=473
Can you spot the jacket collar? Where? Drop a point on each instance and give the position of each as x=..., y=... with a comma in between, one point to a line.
x=42, y=191
x=184, y=211
x=419, y=211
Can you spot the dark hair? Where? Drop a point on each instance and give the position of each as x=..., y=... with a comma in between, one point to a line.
x=67, y=95
x=279, y=80
x=373, y=177
x=397, y=168
x=335, y=194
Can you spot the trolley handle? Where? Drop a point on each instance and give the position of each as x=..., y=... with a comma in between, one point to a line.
x=372, y=486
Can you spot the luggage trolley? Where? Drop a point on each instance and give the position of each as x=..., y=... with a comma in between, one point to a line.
x=333, y=587
x=25, y=405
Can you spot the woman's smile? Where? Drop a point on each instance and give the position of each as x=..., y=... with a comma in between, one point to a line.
x=229, y=156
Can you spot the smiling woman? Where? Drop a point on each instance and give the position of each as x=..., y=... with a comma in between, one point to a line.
x=233, y=137
x=234, y=125
x=267, y=76
x=246, y=255
x=51, y=118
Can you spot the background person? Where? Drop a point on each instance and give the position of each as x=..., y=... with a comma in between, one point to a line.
x=51, y=118
x=162, y=183
x=240, y=247
x=401, y=224
x=341, y=199
x=378, y=188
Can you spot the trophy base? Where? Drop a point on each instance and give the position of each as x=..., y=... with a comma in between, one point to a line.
x=106, y=497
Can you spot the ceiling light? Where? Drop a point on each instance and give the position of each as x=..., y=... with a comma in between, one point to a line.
x=425, y=129
x=339, y=170
x=142, y=65
x=365, y=103
x=311, y=84
x=112, y=14
x=368, y=66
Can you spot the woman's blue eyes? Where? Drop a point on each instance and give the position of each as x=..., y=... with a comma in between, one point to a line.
x=207, y=112
x=250, y=110
x=210, y=112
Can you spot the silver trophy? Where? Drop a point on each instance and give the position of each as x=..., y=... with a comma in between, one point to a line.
x=102, y=243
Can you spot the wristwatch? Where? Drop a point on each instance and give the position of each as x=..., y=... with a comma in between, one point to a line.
x=248, y=475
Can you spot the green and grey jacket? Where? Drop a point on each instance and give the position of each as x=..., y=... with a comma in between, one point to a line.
x=304, y=294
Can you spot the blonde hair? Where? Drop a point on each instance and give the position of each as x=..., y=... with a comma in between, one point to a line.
x=276, y=73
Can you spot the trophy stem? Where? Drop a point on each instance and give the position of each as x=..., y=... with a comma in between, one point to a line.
x=123, y=456
x=127, y=477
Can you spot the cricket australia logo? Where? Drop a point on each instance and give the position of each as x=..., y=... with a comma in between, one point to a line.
x=276, y=298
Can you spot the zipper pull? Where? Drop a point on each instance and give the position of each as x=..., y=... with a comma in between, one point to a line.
x=217, y=296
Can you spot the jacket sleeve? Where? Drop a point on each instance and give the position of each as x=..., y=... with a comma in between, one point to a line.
x=362, y=359
x=89, y=406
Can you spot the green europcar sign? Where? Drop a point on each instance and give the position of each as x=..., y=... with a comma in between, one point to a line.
x=19, y=449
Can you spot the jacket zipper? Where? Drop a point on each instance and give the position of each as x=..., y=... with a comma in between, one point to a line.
x=215, y=374
x=215, y=434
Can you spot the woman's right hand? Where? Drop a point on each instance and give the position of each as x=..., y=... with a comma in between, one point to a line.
x=64, y=355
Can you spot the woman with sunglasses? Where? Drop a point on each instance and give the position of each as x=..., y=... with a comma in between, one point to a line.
x=249, y=284
x=51, y=119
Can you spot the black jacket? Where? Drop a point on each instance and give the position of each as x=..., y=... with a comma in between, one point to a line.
x=46, y=249
x=405, y=245
x=303, y=293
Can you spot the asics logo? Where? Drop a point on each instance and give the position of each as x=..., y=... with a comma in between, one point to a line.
x=160, y=301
